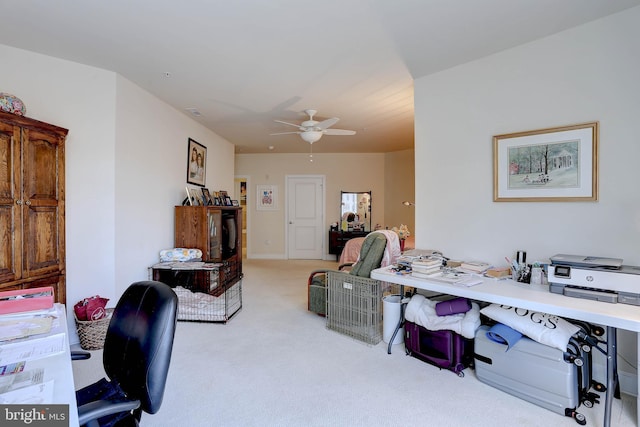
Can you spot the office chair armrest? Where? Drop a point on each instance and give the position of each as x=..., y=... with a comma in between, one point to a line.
x=80, y=355
x=100, y=408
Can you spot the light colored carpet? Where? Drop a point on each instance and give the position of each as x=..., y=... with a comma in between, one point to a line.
x=275, y=364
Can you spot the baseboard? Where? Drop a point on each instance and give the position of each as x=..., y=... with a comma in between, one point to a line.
x=266, y=256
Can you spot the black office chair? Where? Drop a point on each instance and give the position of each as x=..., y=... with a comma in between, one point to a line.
x=136, y=357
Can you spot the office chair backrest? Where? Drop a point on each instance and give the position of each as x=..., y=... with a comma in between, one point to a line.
x=139, y=341
x=371, y=255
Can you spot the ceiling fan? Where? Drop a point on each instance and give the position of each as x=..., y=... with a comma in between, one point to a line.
x=312, y=130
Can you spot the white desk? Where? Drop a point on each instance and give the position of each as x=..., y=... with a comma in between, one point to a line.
x=532, y=297
x=58, y=368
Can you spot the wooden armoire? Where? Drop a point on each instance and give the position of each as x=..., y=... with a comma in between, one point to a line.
x=32, y=233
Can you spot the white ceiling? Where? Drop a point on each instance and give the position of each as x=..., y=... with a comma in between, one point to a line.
x=245, y=63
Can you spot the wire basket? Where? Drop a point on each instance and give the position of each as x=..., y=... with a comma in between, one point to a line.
x=93, y=332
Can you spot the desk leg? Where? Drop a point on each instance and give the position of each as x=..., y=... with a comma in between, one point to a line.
x=612, y=373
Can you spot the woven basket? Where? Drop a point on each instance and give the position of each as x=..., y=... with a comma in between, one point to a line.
x=93, y=332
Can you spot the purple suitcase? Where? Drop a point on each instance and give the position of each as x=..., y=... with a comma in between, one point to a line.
x=444, y=349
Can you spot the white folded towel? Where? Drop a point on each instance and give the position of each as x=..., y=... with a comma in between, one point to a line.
x=421, y=311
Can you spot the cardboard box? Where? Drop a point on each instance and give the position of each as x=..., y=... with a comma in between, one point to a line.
x=26, y=300
x=498, y=272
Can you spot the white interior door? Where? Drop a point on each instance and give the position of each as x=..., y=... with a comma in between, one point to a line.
x=305, y=217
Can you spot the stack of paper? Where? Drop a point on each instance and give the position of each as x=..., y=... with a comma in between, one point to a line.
x=25, y=387
x=22, y=327
x=468, y=281
x=34, y=348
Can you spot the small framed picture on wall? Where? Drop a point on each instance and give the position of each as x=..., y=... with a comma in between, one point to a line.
x=267, y=197
x=196, y=163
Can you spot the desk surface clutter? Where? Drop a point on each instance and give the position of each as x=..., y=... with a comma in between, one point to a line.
x=35, y=361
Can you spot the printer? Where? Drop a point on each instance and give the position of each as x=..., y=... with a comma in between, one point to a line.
x=595, y=278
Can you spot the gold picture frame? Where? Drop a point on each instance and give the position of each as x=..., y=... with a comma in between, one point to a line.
x=549, y=165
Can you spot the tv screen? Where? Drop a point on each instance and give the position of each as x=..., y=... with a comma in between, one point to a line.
x=229, y=234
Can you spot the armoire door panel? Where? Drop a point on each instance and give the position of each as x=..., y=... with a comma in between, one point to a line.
x=10, y=203
x=41, y=237
x=40, y=161
x=9, y=257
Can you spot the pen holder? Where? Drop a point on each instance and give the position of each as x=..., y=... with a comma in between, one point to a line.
x=537, y=276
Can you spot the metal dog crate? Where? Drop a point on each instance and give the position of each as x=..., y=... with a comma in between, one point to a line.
x=202, y=294
x=354, y=306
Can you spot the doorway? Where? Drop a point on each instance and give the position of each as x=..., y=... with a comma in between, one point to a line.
x=241, y=185
x=305, y=216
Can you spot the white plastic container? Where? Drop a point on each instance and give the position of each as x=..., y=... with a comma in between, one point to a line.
x=390, y=317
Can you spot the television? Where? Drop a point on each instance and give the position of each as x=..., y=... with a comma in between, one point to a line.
x=229, y=234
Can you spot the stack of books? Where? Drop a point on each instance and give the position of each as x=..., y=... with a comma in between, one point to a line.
x=426, y=268
x=475, y=266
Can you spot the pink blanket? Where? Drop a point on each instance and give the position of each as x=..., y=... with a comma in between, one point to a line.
x=351, y=250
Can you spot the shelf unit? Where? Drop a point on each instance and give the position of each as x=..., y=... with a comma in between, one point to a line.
x=210, y=291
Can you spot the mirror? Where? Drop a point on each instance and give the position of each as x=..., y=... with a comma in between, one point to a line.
x=355, y=211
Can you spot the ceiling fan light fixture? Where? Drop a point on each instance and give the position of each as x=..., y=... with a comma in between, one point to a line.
x=312, y=130
x=311, y=136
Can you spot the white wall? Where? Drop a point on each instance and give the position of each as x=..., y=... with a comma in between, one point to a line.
x=399, y=186
x=126, y=160
x=589, y=73
x=81, y=99
x=150, y=179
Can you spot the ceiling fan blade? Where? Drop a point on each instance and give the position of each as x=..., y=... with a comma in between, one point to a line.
x=284, y=133
x=326, y=123
x=339, y=132
x=286, y=123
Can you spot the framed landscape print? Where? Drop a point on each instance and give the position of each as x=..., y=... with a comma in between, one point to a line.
x=549, y=165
